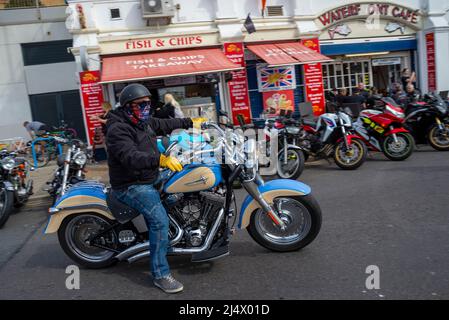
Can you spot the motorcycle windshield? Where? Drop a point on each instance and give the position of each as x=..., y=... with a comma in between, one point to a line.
x=440, y=104
x=390, y=101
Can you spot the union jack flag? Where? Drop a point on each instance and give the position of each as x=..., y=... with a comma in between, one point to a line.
x=277, y=78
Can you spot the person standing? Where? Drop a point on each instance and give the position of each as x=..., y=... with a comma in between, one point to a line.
x=169, y=110
x=363, y=91
x=408, y=78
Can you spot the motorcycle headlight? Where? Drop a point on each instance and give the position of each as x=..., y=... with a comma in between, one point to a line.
x=443, y=109
x=80, y=158
x=398, y=114
x=8, y=163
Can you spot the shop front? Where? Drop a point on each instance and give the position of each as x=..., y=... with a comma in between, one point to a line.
x=371, y=43
x=284, y=74
x=192, y=76
x=204, y=79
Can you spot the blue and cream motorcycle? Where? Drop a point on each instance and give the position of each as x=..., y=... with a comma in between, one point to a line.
x=96, y=230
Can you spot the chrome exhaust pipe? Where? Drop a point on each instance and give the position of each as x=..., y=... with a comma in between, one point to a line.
x=205, y=246
x=136, y=249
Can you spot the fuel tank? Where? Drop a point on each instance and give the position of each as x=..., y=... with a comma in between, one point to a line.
x=194, y=178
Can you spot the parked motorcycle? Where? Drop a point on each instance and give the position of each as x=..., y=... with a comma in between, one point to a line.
x=15, y=188
x=96, y=230
x=70, y=170
x=428, y=121
x=384, y=131
x=331, y=136
x=290, y=158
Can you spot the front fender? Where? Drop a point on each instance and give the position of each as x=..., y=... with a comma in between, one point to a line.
x=86, y=196
x=350, y=137
x=270, y=190
x=396, y=130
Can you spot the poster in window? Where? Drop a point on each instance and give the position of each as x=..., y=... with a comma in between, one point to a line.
x=275, y=78
x=278, y=103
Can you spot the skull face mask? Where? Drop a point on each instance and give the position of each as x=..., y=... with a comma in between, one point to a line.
x=139, y=112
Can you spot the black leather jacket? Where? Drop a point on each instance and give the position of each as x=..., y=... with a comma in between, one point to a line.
x=133, y=156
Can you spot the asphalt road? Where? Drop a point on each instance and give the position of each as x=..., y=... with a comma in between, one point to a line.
x=394, y=215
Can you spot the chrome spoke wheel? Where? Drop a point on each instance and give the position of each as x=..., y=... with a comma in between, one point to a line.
x=293, y=213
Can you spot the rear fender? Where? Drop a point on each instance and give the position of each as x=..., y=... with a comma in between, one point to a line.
x=82, y=198
x=271, y=190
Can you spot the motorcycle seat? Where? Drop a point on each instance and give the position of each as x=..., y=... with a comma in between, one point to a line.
x=121, y=211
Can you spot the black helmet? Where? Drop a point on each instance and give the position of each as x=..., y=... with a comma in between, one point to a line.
x=132, y=92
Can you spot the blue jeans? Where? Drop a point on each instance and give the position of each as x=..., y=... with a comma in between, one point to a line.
x=145, y=199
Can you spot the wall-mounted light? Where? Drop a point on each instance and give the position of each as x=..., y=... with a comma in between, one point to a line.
x=366, y=54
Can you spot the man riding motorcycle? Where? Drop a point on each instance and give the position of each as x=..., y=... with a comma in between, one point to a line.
x=134, y=160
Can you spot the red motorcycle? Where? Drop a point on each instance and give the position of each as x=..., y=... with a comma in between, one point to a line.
x=384, y=130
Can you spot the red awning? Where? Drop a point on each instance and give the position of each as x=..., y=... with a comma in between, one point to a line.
x=164, y=64
x=289, y=53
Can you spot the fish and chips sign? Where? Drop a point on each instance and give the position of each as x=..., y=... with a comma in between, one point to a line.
x=398, y=13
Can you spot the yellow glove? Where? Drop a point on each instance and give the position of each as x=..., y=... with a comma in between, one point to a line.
x=170, y=162
x=198, y=121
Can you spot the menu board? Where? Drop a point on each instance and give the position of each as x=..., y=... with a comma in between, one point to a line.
x=92, y=96
x=431, y=71
x=313, y=78
x=238, y=86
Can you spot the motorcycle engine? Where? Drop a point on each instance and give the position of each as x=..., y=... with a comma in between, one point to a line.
x=195, y=213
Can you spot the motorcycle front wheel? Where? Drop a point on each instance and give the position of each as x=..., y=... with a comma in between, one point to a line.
x=400, y=150
x=302, y=216
x=73, y=235
x=351, y=158
x=6, y=204
x=294, y=166
x=439, y=139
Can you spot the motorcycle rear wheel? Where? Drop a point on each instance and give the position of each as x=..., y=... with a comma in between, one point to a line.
x=302, y=216
x=438, y=140
x=340, y=153
x=76, y=229
x=6, y=205
x=403, y=138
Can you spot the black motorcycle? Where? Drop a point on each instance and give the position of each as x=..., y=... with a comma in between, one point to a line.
x=15, y=187
x=428, y=121
x=70, y=171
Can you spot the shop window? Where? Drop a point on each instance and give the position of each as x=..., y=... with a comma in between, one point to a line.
x=346, y=74
x=46, y=52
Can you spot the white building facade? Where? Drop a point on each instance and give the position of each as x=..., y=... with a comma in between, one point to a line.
x=368, y=41
x=37, y=75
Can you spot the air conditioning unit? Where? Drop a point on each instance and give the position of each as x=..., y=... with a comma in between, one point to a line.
x=157, y=8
